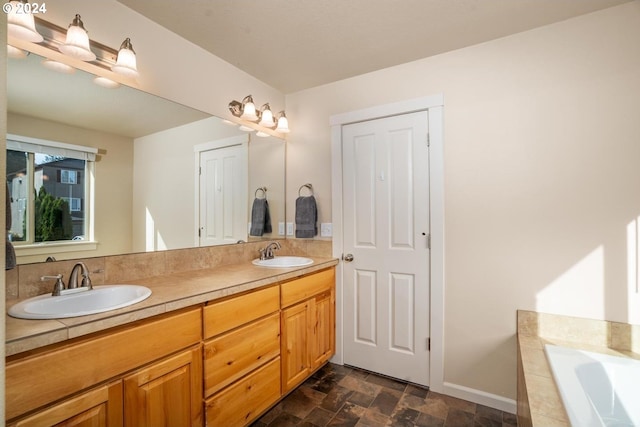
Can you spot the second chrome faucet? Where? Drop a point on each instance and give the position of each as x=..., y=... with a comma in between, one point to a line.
x=268, y=251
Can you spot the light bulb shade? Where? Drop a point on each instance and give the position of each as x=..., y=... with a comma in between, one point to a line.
x=77, y=43
x=14, y=52
x=266, y=119
x=21, y=25
x=249, y=110
x=126, y=61
x=58, y=66
x=105, y=82
x=283, y=123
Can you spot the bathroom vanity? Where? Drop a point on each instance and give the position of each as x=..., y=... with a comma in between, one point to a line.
x=217, y=355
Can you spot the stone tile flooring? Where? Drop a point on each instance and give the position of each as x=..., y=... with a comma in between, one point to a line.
x=342, y=396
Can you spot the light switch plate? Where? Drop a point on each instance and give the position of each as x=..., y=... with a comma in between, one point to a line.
x=326, y=229
x=281, y=229
x=289, y=229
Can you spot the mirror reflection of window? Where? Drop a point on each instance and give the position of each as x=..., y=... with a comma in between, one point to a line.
x=49, y=191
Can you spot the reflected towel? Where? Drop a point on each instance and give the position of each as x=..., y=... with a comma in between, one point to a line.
x=306, y=217
x=10, y=260
x=260, y=218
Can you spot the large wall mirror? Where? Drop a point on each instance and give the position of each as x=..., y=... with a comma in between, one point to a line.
x=148, y=189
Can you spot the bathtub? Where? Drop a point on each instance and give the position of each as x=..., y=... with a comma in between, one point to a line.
x=596, y=389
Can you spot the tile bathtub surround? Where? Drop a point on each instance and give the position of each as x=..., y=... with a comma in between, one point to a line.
x=539, y=403
x=24, y=281
x=342, y=396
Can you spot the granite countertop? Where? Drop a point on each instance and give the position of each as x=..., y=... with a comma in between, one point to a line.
x=169, y=293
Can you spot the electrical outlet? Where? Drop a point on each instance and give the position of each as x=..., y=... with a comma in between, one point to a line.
x=281, y=229
x=289, y=229
x=326, y=229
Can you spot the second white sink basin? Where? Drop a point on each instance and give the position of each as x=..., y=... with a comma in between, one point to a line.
x=283, y=262
x=97, y=300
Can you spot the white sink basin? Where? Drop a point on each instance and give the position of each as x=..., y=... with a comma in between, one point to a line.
x=283, y=261
x=82, y=303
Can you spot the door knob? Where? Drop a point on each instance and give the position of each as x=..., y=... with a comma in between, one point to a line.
x=347, y=257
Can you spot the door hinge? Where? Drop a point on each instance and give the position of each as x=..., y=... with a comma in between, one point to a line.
x=428, y=140
x=199, y=232
x=428, y=344
x=429, y=241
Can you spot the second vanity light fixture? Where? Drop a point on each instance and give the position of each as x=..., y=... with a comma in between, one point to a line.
x=73, y=42
x=246, y=110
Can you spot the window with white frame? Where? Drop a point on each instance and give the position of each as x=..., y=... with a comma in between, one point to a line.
x=49, y=189
x=68, y=176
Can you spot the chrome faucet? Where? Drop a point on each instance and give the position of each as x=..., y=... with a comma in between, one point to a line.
x=267, y=252
x=58, y=287
x=73, y=278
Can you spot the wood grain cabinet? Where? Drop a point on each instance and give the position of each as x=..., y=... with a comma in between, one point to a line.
x=155, y=350
x=100, y=407
x=308, y=326
x=241, y=357
x=167, y=393
x=219, y=364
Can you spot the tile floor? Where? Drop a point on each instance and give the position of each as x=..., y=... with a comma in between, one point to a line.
x=342, y=396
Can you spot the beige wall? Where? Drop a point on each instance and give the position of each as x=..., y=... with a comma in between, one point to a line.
x=113, y=187
x=164, y=191
x=541, y=145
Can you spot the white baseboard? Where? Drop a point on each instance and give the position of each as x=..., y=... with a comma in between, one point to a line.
x=481, y=397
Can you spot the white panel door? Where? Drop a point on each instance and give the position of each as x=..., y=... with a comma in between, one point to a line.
x=223, y=195
x=386, y=229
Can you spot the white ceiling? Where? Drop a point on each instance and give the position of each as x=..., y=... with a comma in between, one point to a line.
x=297, y=44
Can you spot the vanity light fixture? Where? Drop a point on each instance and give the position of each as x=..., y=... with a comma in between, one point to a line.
x=126, y=60
x=77, y=42
x=74, y=42
x=266, y=117
x=249, y=109
x=20, y=22
x=283, y=123
x=246, y=110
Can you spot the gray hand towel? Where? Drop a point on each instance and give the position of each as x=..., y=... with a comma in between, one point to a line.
x=10, y=260
x=306, y=217
x=260, y=218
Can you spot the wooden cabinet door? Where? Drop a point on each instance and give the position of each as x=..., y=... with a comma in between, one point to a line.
x=101, y=407
x=295, y=331
x=167, y=393
x=323, y=341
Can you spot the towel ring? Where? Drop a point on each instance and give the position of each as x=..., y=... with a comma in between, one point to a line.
x=309, y=186
x=264, y=192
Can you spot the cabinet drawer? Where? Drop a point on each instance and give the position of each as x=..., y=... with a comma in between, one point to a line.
x=73, y=367
x=305, y=287
x=245, y=400
x=230, y=313
x=232, y=355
